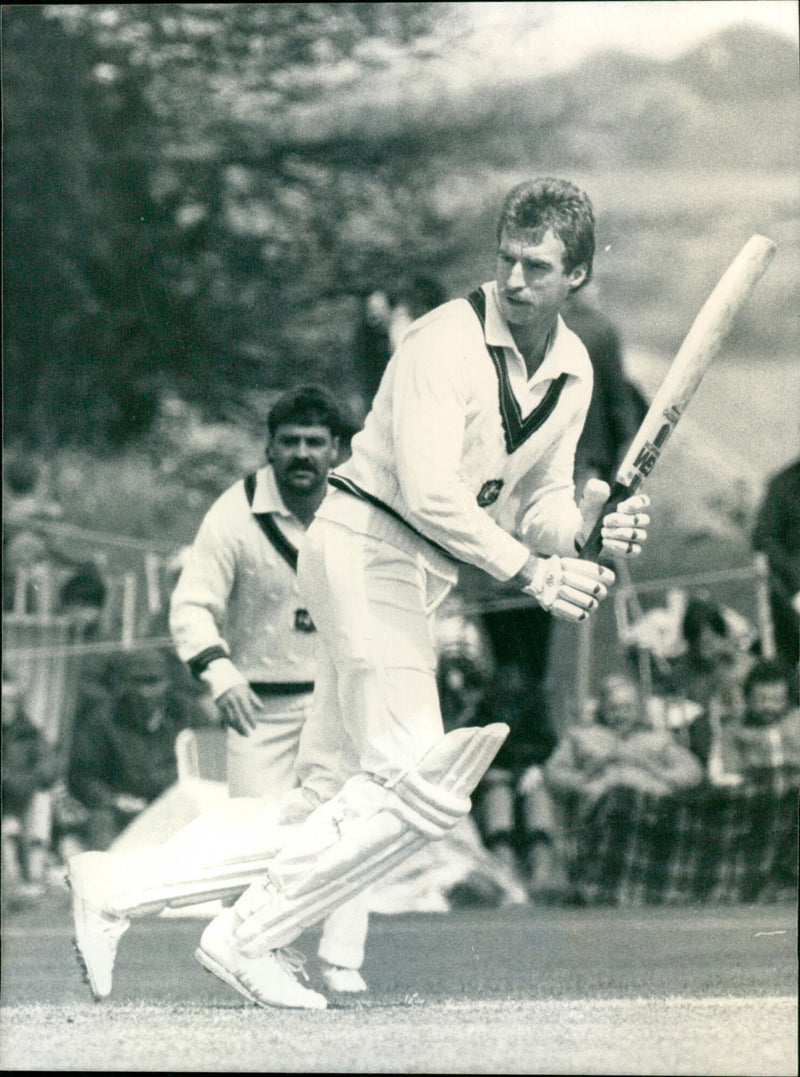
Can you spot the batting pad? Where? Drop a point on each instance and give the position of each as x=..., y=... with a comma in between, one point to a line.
x=363, y=833
x=218, y=855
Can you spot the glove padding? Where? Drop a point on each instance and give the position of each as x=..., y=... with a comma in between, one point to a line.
x=569, y=588
x=625, y=529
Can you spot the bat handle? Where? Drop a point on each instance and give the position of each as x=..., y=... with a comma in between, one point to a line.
x=592, y=548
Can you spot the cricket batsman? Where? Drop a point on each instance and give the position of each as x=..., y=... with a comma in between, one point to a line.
x=466, y=457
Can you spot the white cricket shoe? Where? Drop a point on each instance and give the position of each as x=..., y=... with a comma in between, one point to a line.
x=343, y=981
x=268, y=980
x=97, y=933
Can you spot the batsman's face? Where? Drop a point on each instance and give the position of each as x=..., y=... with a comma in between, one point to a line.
x=532, y=283
x=301, y=456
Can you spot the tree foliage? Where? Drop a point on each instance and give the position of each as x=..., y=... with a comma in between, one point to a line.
x=168, y=224
x=195, y=194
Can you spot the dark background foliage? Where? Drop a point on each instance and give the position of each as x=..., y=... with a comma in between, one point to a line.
x=196, y=194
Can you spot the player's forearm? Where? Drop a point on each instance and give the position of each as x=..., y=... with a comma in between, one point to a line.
x=468, y=534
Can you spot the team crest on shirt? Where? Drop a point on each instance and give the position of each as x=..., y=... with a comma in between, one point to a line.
x=489, y=492
x=303, y=622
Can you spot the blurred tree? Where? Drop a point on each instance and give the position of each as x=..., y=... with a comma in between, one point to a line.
x=168, y=224
x=196, y=194
x=88, y=329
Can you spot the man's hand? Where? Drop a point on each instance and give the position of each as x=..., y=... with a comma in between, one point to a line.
x=624, y=530
x=239, y=708
x=569, y=588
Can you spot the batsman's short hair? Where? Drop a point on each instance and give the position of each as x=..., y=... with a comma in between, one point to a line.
x=308, y=405
x=541, y=203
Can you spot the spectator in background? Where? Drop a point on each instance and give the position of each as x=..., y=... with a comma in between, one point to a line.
x=619, y=749
x=464, y=666
x=777, y=534
x=508, y=826
x=371, y=343
x=29, y=771
x=28, y=555
x=420, y=295
x=123, y=747
x=23, y=498
x=710, y=673
x=765, y=746
x=382, y=322
x=616, y=407
x=83, y=597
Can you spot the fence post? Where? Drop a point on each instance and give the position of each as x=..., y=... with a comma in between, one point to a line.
x=584, y=672
x=128, y=610
x=152, y=570
x=766, y=630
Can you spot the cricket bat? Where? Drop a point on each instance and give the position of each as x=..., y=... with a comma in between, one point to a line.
x=686, y=371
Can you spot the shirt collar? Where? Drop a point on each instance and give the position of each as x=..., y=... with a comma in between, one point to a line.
x=267, y=497
x=562, y=357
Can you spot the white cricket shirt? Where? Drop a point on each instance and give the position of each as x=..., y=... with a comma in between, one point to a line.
x=454, y=444
x=237, y=593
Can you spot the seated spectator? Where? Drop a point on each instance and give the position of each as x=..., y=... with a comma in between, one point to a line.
x=83, y=597
x=123, y=749
x=619, y=749
x=765, y=746
x=29, y=771
x=709, y=673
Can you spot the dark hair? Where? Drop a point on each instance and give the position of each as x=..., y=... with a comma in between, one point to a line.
x=699, y=615
x=21, y=475
x=765, y=671
x=422, y=295
x=308, y=405
x=543, y=203
x=85, y=588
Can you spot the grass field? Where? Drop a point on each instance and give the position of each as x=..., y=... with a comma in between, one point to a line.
x=701, y=991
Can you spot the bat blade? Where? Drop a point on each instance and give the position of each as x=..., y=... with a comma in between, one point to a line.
x=701, y=344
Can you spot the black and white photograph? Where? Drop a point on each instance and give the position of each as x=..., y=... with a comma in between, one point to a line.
x=401, y=537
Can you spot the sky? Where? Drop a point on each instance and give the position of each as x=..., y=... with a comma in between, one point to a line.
x=551, y=36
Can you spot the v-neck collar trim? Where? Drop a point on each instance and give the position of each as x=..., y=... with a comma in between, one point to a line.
x=516, y=428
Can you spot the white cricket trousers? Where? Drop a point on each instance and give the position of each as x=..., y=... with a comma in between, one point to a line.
x=376, y=704
x=262, y=764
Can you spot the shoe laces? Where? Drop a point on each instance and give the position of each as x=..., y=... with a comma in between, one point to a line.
x=292, y=961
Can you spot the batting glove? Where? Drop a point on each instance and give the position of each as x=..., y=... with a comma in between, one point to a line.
x=625, y=529
x=569, y=588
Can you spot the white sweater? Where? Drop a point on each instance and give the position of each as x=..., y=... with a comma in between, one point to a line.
x=447, y=431
x=238, y=595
